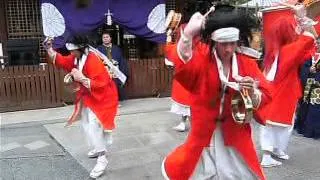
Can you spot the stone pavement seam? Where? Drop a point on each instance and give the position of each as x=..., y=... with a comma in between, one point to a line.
x=34, y=156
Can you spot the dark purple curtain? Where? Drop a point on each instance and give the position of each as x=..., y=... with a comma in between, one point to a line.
x=143, y=18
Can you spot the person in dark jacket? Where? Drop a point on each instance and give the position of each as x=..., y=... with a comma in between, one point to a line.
x=308, y=117
x=114, y=53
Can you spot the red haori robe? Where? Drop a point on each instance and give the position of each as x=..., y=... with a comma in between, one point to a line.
x=178, y=93
x=287, y=83
x=102, y=97
x=200, y=77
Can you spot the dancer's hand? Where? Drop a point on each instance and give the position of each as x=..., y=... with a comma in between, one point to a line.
x=77, y=75
x=47, y=43
x=251, y=86
x=247, y=83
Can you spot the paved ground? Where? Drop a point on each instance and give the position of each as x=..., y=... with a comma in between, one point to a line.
x=30, y=153
x=140, y=143
x=143, y=137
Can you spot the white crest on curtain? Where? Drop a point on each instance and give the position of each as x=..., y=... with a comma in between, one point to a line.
x=109, y=18
x=156, y=19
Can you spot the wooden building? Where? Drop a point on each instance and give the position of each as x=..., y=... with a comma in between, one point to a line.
x=28, y=82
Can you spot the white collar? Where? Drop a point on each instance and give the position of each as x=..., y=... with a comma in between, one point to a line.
x=82, y=60
x=235, y=72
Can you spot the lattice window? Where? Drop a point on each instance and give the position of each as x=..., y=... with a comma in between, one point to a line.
x=170, y=5
x=24, y=21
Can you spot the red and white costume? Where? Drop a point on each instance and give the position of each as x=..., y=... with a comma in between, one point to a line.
x=214, y=148
x=180, y=99
x=179, y=95
x=96, y=100
x=101, y=96
x=286, y=80
x=282, y=63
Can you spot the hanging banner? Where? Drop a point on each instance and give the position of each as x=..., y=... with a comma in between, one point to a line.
x=144, y=18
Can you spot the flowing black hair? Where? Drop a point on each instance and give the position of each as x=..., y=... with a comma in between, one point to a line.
x=228, y=16
x=194, y=6
x=79, y=40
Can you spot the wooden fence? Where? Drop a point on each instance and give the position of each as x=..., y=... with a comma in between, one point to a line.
x=30, y=87
x=41, y=86
x=148, y=78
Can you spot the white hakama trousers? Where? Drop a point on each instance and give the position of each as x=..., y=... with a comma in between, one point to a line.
x=180, y=109
x=275, y=137
x=97, y=138
x=219, y=162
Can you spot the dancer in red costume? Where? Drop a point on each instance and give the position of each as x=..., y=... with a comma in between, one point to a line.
x=286, y=49
x=96, y=98
x=216, y=147
x=180, y=96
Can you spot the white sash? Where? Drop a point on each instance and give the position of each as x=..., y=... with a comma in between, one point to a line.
x=113, y=68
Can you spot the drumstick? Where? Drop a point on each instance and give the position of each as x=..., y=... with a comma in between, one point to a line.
x=210, y=10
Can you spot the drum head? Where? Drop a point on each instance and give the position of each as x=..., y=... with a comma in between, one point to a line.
x=241, y=108
x=169, y=18
x=177, y=20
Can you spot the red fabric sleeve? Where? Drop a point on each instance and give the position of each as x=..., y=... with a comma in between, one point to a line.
x=294, y=55
x=187, y=74
x=100, y=80
x=64, y=62
x=97, y=73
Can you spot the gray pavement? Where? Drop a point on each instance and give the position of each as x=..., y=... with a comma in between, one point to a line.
x=29, y=153
x=142, y=139
x=140, y=143
x=62, y=113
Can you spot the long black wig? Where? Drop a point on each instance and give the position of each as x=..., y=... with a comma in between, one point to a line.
x=228, y=16
x=80, y=40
